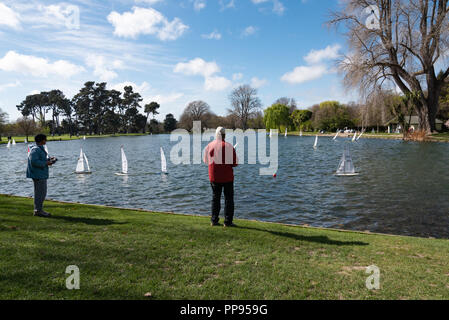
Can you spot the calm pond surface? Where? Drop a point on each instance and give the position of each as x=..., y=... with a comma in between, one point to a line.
x=403, y=187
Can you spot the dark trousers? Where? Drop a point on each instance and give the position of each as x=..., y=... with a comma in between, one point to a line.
x=40, y=193
x=217, y=189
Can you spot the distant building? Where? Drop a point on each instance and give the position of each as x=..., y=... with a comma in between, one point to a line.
x=394, y=125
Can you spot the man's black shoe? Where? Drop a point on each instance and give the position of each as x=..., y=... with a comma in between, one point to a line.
x=230, y=225
x=42, y=214
x=214, y=224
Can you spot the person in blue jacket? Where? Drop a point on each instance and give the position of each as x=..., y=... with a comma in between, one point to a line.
x=38, y=163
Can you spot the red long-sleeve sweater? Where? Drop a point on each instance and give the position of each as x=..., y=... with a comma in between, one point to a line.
x=221, y=158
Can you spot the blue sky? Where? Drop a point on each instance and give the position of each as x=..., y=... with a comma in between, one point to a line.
x=172, y=52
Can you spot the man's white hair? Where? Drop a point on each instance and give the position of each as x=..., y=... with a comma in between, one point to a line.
x=219, y=133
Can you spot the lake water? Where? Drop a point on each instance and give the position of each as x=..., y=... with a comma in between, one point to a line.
x=403, y=187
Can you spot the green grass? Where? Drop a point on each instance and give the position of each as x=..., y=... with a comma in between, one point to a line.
x=66, y=137
x=124, y=254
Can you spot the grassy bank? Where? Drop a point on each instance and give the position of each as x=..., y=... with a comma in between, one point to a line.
x=124, y=254
x=66, y=137
x=438, y=137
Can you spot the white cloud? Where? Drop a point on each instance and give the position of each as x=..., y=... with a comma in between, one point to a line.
x=8, y=17
x=216, y=83
x=10, y=85
x=237, y=76
x=304, y=73
x=146, y=21
x=226, y=4
x=163, y=99
x=278, y=7
x=249, y=31
x=208, y=70
x=104, y=69
x=317, y=56
x=197, y=66
x=213, y=35
x=198, y=5
x=315, y=68
x=38, y=67
x=257, y=83
x=140, y=88
x=150, y=2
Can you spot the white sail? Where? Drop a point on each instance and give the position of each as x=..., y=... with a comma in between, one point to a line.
x=361, y=134
x=346, y=166
x=84, y=138
x=316, y=142
x=300, y=133
x=13, y=142
x=271, y=133
x=9, y=144
x=80, y=164
x=338, y=132
x=87, y=163
x=355, y=136
x=163, y=161
x=25, y=141
x=124, y=162
x=286, y=132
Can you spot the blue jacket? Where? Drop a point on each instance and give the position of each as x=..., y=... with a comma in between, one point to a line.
x=37, y=163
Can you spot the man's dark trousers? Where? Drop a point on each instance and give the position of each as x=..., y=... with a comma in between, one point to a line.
x=217, y=189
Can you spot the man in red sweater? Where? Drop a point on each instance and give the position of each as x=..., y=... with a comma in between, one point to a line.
x=221, y=158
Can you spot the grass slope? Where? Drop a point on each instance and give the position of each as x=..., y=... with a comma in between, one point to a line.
x=124, y=254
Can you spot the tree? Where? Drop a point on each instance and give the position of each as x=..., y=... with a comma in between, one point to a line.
x=170, y=123
x=276, y=116
x=26, y=126
x=443, y=113
x=299, y=117
x=289, y=102
x=330, y=116
x=195, y=111
x=244, y=103
x=400, y=42
x=34, y=105
x=152, y=108
x=130, y=103
x=3, y=120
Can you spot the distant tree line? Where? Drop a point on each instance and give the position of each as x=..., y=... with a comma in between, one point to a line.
x=96, y=110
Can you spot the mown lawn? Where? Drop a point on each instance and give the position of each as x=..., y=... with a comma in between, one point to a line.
x=66, y=137
x=125, y=254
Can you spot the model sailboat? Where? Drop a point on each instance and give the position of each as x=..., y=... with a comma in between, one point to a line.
x=354, y=137
x=80, y=169
x=9, y=144
x=124, y=171
x=361, y=134
x=346, y=166
x=300, y=133
x=316, y=142
x=163, y=162
x=13, y=142
x=286, y=132
x=335, y=138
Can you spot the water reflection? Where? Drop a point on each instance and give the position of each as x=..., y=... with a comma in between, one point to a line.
x=402, y=188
